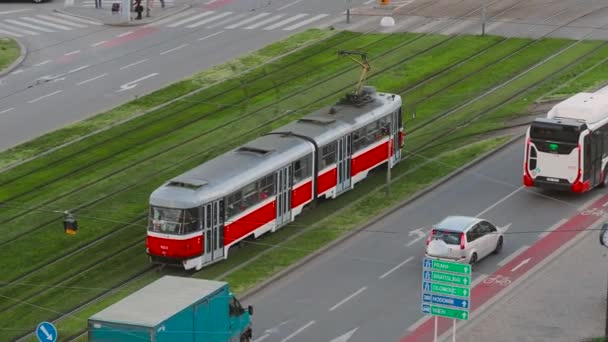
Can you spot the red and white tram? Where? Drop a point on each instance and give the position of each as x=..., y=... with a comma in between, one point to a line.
x=262, y=186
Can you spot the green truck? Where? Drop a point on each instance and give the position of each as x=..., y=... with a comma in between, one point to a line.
x=174, y=309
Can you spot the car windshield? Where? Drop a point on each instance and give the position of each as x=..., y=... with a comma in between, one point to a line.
x=451, y=238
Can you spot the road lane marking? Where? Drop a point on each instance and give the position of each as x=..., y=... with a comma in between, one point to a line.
x=421, y=232
x=7, y=110
x=348, y=298
x=187, y=20
x=522, y=263
x=589, y=202
x=264, y=22
x=16, y=11
x=171, y=18
x=285, y=22
x=72, y=53
x=43, y=63
x=247, y=21
x=60, y=21
x=499, y=201
x=210, y=35
x=18, y=71
x=305, y=22
x=133, y=64
x=208, y=20
x=99, y=43
x=78, y=69
x=261, y=338
x=396, y=267
x=552, y=228
x=34, y=27
x=133, y=84
x=42, y=22
x=124, y=34
x=175, y=49
x=80, y=20
x=91, y=79
x=288, y=5
x=512, y=255
x=20, y=31
x=298, y=331
x=226, y=21
x=9, y=33
x=45, y=96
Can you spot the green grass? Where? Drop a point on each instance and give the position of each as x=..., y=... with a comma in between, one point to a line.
x=135, y=157
x=9, y=52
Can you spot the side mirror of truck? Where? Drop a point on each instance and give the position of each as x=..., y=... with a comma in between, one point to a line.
x=250, y=309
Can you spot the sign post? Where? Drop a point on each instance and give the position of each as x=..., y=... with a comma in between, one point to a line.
x=446, y=291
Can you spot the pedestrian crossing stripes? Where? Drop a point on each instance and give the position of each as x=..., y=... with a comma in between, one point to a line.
x=42, y=23
x=108, y=3
x=228, y=20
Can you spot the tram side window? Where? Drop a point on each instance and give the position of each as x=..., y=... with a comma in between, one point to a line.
x=302, y=169
x=328, y=155
x=250, y=195
x=371, y=133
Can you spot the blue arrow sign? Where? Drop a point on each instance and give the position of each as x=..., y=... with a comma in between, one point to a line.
x=446, y=300
x=46, y=332
x=426, y=309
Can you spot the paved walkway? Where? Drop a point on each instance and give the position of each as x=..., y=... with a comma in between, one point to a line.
x=565, y=301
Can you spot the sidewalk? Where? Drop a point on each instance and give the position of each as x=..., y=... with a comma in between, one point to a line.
x=565, y=301
x=104, y=15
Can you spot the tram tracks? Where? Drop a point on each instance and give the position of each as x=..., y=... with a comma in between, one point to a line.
x=341, y=90
x=298, y=91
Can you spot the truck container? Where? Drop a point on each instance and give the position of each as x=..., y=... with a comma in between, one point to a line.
x=174, y=309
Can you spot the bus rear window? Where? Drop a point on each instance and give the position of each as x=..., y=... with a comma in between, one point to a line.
x=554, y=133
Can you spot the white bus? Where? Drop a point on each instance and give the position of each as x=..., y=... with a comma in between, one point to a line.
x=568, y=150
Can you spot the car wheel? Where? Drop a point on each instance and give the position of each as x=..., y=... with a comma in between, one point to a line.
x=498, y=246
x=473, y=260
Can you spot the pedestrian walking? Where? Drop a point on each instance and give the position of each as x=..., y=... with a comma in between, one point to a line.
x=139, y=9
x=97, y=3
x=162, y=3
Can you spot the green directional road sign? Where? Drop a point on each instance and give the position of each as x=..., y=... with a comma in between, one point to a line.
x=449, y=313
x=450, y=278
x=449, y=289
x=453, y=267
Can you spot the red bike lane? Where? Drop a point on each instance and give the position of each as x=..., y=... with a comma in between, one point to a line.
x=515, y=269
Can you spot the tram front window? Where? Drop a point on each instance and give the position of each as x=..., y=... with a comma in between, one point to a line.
x=173, y=221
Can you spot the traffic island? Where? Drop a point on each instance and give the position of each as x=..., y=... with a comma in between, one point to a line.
x=12, y=54
x=113, y=16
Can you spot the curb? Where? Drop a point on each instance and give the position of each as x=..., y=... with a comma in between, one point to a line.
x=18, y=61
x=290, y=269
x=128, y=24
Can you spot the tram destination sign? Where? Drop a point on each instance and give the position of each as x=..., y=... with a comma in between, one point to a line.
x=446, y=289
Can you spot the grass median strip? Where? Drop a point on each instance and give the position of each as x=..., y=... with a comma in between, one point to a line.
x=9, y=52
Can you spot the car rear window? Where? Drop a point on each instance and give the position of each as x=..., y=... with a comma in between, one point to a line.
x=451, y=238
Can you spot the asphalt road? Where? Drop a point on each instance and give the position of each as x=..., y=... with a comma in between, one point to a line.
x=369, y=287
x=73, y=74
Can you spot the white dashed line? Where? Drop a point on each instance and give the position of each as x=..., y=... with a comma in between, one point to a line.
x=7, y=110
x=512, y=256
x=211, y=35
x=45, y=96
x=99, y=43
x=43, y=63
x=72, y=53
x=396, y=267
x=124, y=34
x=91, y=79
x=133, y=64
x=175, y=49
x=298, y=331
x=552, y=228
x=347, y=298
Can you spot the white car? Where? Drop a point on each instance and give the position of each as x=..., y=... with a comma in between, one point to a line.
x=463, y=239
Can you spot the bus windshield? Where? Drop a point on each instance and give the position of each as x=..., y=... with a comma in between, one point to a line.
x=557, y=133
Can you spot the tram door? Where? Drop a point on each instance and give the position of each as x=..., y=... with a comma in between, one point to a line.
x=343, y=160
x=214, y=231
x=283, y=184
x=395, y=129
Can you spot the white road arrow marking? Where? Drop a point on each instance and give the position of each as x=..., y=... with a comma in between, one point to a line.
x=46, y=333
x=504, y=228
x=420, y=235
x=520, y=265
x=133, y=84
x=345, y=337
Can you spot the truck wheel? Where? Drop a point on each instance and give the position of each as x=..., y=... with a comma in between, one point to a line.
x=245, y=338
